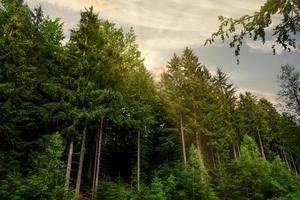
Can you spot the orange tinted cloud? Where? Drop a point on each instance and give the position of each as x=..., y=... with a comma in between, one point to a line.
x=80, y=4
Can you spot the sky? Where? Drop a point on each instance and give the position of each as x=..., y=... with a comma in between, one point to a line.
x=165, y=27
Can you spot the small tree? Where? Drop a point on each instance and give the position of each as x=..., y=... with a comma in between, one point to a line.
x=198, y=180
x=157, y=190
x=45, y=179
x=290, y=88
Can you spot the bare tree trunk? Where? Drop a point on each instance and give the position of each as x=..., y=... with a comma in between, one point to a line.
x=10, y=33
x=238, y=150
x=98, y=157
x=138, y=159
x=95, y=163
x=69, y=164
x=261, y=146
x=213, y=159
x=218, y=156
x=198, y=141
x=89, y=167
x=286, y=160
x=293, y=162
x=182, y=140
x=79, y=174
x=282, y=156
x=234, y=152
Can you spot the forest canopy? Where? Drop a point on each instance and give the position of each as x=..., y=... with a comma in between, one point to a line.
x=84, y=119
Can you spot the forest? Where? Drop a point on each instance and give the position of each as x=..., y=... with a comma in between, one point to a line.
x=82, y=118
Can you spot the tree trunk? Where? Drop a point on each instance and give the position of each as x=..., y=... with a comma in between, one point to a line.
x=95, y=163
x=261, y=146
x=234, y=152
x=138, y=159
x=213, y=159
x=198, y=141
x=293, y=162
x=238, y=150
x=219, y=160
x=89, y=167
x=79, y=173
x=98, y=158
x=69, y=164
x=182, y=140
x=286, y=160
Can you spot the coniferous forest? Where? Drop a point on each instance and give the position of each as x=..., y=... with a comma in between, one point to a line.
x=82, y=118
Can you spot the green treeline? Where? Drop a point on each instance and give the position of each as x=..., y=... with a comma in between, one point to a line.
x=83, y=119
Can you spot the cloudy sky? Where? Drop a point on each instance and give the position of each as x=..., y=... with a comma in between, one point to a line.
x=165, y=27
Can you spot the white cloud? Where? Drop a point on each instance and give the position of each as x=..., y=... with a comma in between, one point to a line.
x=167, y=26
x=264, y=48
x=164, y=25
x=198, y=16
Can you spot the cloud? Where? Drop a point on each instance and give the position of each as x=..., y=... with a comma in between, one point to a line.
x=165, y=27
x=264, y=48
x=170, y=25
x=273, y=98
x=157, y=72
x=78, y=5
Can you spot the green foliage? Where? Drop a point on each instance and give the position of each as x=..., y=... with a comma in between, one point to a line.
x=115, y=190
x=290, y=196
x=255, y=25
x=185, y=182
x=157, y=190
x=206, y=102
x=249, y=149
x=45, y=179
x=46, y=176
x=252, y=177
x=51, y=92
x=197, y=177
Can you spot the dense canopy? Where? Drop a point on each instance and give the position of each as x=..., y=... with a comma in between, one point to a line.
x=84, y=119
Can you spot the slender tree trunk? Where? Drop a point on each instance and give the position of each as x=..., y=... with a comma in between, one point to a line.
x=79, y=174
x=69, y=164
x=238, y=150
x=182, y=140
x=98, y=157
x=282, y=156
x=138, y=159
x=293, y=162
x=198, y=141
x=193, y=185
x=89, y=168
x=261, y=146
x=95, y=163
x=234, y=152
x=213, y=159
x=286, y=160
x=219, y=159
x=10, y=33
